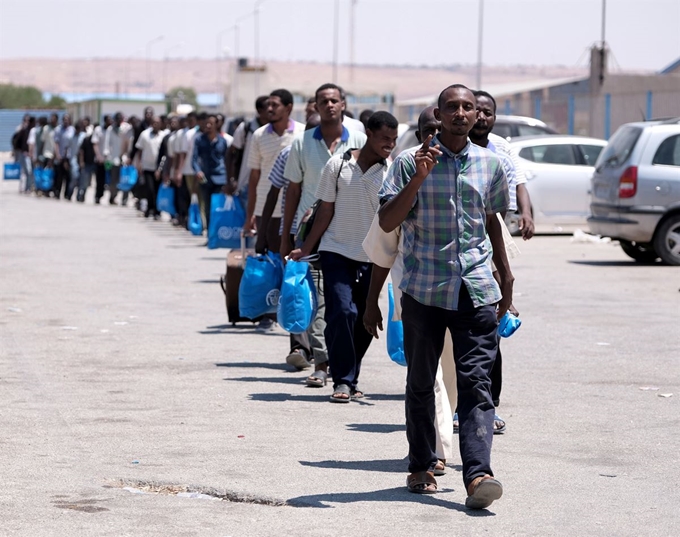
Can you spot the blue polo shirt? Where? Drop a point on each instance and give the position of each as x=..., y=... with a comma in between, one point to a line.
x=209, y=156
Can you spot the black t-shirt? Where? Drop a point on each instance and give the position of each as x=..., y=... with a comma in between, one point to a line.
x=87, y=149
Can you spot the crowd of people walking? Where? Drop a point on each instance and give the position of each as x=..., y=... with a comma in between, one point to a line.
x=432, y=217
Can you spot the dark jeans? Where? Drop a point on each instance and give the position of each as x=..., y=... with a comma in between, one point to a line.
x=475, y=343
x=62, y=177
x=272, y=237
x=182, y=200
x=345, y=290
x=497, y=377
x=100, y=175
x=207, y=190
x=149, y=193
x=113, y=185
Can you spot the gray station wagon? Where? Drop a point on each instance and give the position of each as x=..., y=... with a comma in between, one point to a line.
x=635, y=195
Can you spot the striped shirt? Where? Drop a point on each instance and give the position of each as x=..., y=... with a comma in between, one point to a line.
x=307, y=158
x=511, y=164
x=444, y=236
x=279, y=181
x=355, y=195
x=265, y=146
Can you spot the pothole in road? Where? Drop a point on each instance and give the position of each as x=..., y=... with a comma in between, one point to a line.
x=197, y=492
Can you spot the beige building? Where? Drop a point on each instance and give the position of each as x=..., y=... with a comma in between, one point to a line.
x=601, y=103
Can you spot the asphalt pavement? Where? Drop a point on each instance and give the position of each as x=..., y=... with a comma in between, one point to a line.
x=122, y=384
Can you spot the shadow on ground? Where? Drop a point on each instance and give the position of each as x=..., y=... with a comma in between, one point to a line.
x=398, y=494
x=376, y=427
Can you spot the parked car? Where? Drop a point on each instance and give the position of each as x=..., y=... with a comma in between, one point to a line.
x=506, y=126
x=558, y=170
x=636, y=191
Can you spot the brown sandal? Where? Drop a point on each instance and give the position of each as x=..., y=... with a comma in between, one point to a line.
x=422, y=483
x=482, y=492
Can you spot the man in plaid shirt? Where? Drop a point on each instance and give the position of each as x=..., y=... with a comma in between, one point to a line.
x=446, y=196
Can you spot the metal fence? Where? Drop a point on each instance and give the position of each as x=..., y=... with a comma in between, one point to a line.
x=597, y=116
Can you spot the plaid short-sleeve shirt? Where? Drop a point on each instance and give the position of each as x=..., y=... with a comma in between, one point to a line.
x=445, y=241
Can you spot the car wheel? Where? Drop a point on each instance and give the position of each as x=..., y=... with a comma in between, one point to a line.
x=642, y=253
x=667, y=240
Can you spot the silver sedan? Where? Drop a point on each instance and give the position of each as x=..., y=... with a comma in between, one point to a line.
x=558, y=170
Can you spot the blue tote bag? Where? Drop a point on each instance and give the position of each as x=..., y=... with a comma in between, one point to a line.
x=44, y=178
x=128, y=178
x=165, y=200
x=11, y=171
x=226, y=222
x=258, y=292
x=298, y=302
x=194, y=222
x=395, y=333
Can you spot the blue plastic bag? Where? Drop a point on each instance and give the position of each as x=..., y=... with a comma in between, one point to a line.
x=44, y=178
x=165, y=200
x=298, y=302
x=260, y=287
x=128, y=178
x=11, y=171
x=194, y=221
x=226, y=222
x=395, y=332
x=508, y=325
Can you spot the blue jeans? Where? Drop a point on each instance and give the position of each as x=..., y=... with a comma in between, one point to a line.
x=26, y=182
x=475, y=343
x=84, y=180
x=345, y=288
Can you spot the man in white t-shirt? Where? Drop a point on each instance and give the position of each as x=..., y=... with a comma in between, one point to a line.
x=148, y=146
x=238, y=171
x=265, y=145
x=348, y=191
x=116, y=145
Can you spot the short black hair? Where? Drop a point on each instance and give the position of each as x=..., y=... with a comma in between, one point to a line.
x=325, y=87
x=283, y=94
x=214, y=116
x=261, y=102
x=380, y=119
x=192, y=114
x=482, y=93
x=107, y=116
x=311, y=100
x=202, y=116
x=452, y=86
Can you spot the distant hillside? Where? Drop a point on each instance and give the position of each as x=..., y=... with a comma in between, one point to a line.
x=128, y=76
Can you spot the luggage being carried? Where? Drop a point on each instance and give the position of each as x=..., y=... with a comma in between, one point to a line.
x=230, y=282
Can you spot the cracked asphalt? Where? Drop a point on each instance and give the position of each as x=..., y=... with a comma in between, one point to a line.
x=117, y=365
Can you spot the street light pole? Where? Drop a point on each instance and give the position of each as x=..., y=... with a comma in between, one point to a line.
x=148, y=67
x=480, y=40
x=336, y=24
x=351, y=40
x=256, y=14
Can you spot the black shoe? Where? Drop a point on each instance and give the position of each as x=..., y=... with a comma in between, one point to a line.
x=97, y=201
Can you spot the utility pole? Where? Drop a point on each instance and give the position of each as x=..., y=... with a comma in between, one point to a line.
x=480, y=40
x=353, y=6
x=603, y=44
x=149, y=82
x=336, y=24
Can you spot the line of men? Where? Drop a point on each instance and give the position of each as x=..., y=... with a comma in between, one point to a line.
x=442, y=198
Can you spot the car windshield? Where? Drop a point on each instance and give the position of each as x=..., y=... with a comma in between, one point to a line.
x=619, y=147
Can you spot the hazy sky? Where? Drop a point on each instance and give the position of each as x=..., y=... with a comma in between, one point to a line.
x=643, y=34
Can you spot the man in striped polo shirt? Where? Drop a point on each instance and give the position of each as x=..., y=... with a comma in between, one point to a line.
x=348, y=191
x=265, y=145
x=446, y=197
x=308, y=156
